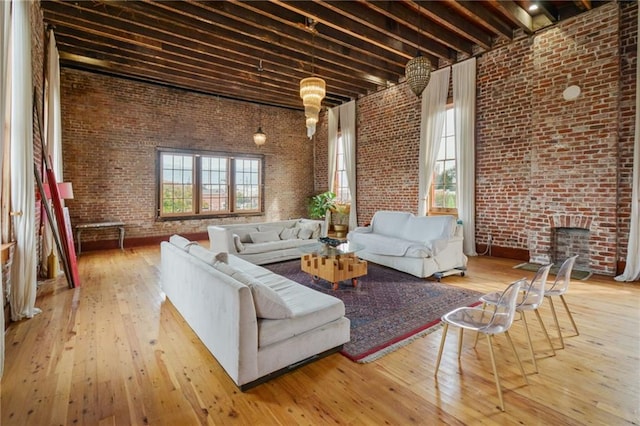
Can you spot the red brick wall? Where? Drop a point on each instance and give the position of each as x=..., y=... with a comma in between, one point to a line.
x=537, y=155
x=628, y=64
x=112, y=126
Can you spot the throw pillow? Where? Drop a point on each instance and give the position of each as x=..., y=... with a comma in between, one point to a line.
x=244, y=233
x=224, y=268
x=305, y=233
x=264, y=237
x=238, y=243
x=182, y=242
x=314, y=225
x=289, y=233
x=267, y=301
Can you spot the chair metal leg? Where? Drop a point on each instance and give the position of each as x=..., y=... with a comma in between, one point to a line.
x=444, y=337
x=545, y=331
x=495, y=371
x=575, y=327
x=555, y=319
x=460, y=332
x=526, y=329
x=513, y=348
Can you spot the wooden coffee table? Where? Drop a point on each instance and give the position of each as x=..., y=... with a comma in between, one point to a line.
x=334, y=264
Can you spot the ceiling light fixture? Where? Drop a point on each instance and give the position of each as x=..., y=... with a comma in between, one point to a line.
x=259, y=138
x=312, y=89
x=533, y=7
x=418, y=70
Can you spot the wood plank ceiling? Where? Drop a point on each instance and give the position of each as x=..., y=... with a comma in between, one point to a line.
x=259, y=50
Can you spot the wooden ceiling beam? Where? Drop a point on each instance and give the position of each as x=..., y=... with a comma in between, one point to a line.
x=515, y=13
x=479, y=14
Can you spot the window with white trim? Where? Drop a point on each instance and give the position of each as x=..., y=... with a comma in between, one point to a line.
x=442, y=199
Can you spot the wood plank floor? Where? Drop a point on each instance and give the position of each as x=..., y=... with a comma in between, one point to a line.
x=113, y=352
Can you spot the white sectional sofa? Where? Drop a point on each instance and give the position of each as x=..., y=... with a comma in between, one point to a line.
x=419, y=245
x=265, y=242
x=257, y=324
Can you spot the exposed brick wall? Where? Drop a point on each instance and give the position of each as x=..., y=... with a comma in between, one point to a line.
x=536, y=154
x=539, y=155
x=628, y=64
x=112, y=126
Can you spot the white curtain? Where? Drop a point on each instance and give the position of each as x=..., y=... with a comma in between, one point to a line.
x=348, y=131
x=53, y=129
x=434, y=103
x=632, y=269
x=464, y=109
x=334, y=117
x=23, y=272
x=5, y=8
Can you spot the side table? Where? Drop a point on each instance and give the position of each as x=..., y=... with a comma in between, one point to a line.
x=99, y=225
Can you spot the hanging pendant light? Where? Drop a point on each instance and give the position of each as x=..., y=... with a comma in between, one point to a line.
x=418, y=70
x=418, y=73
x=312, y=89
x=259, y=138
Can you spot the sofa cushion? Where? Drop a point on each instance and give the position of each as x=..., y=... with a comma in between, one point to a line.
x=390, y=223
x=264, y=237
x=207, y=255
x=182, y=242
x=273, y=246
x=268, y=227
x=244, y=232
x=289, y=233
x=268, y=303
x=428, y=228
x=310, y=309
x=310, y=224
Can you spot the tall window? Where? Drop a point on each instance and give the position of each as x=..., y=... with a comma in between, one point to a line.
x=208, y=184
x=341, y=183
x=444, y=184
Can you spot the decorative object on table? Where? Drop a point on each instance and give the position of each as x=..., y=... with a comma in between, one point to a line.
x=330, y=241
x=321, y=203
x=341, y=224
x=388, y=309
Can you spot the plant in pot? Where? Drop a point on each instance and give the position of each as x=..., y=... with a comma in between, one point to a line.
x=319, y=204
x=341, y=223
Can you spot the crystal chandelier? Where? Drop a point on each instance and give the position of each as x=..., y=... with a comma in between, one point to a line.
x=312, y=90
x=418, y=73
x=259, y=138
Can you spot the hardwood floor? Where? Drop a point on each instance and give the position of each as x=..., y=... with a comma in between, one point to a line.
x=113, y=352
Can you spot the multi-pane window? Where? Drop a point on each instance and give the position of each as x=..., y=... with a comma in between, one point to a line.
x=444, y=184
x=341, y=183
x=203, y=184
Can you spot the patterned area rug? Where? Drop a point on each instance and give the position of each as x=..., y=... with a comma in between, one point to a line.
x=388, y=309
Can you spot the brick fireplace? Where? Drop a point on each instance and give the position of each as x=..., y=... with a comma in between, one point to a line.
x=570, y=235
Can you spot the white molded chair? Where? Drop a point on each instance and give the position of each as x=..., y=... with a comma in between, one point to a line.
x=492, y=321
x=559, y=288
x=531, y=298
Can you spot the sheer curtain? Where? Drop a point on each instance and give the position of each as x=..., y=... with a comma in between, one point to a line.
x=53, y=120
x=348, y=127
x=464, y=109
x=5, y=7
x=632, y=269
x=434, y=102
x=23, y=272
x=334, y=117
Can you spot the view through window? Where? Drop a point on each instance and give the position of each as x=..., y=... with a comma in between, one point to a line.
x=444, y=184
x=204, y=184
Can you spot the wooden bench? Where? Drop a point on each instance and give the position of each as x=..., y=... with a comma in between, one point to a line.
x=99, y=225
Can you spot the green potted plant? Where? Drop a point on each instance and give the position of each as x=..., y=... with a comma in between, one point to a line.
x=319, y=204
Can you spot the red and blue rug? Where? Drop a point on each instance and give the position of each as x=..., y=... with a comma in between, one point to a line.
x=388, y=309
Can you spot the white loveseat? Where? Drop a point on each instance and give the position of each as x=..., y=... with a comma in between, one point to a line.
x=265, y=242
x=257, y=324
x=419, y=245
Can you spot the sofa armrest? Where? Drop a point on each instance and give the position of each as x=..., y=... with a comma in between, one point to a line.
x=221, y=240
